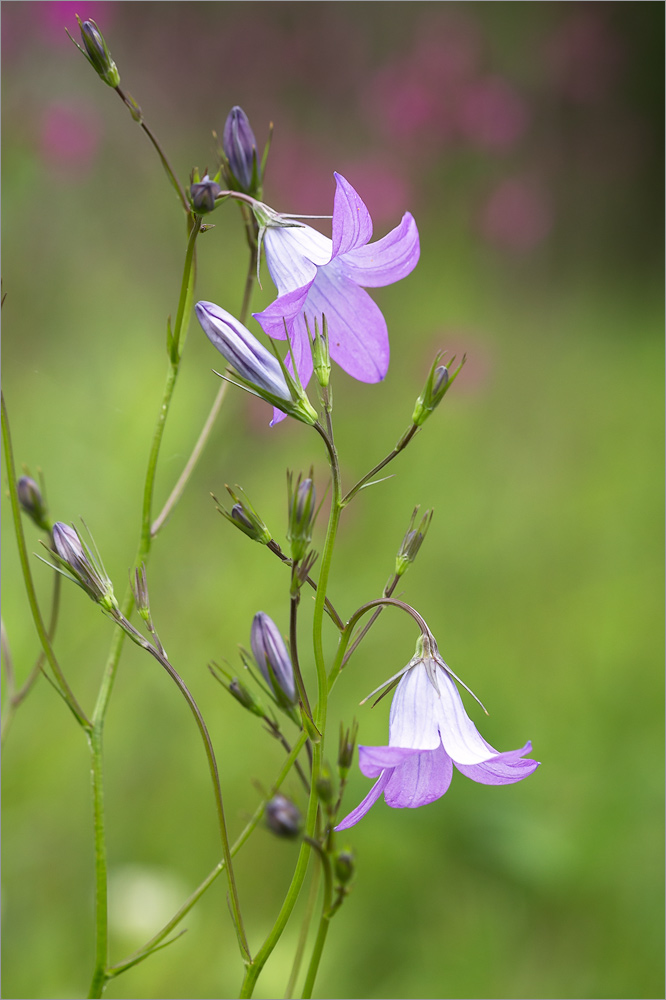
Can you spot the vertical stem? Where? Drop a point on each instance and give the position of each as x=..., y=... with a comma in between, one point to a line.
x=254, y=969
x=99, y=978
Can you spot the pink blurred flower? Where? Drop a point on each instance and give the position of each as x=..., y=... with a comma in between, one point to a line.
x=584, y=56
x=69, y=138
x=517, y=215
x=492, y=114
x=388, y=191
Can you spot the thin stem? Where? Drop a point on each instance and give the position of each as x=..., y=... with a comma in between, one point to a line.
x=388, y=590
x=322, y=930
x=42, y=632
x=160, y=152
x=192, y=461
x=400, y=446
x=212, y=764
x=254, y=969
x=115, y=970
x=330, y=610
x=14, y=697
x=303, y=936
x=100, y=977
x=293, y=649
x=185, y=288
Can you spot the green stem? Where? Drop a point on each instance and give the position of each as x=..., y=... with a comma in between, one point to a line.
x=322, y=930
x=184, y=477
x=100, y=976
x=254, y=969
x=212, y=764
x=303, y=936
x=138, y=956
x=42, y=632
x=400, y=446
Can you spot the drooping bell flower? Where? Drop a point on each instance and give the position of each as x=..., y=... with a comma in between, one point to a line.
x=429, y=732
x=316, y=276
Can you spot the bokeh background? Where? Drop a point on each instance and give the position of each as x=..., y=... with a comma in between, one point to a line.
x=526, y=140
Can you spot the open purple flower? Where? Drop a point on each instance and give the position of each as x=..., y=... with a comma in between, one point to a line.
x=429, y=732
x=315, y=275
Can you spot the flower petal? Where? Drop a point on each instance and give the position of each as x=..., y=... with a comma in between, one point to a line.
x=504, y=769
x=293, y=254
x=413, y=721
x=388, y=260
x=352, y=225
x=357, y=333
x=461, y=739
x=420, y=779
x=356, y=814
x=373, y=760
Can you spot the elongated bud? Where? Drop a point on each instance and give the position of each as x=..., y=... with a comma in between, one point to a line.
x=260, y=371
x=324, y=786
x=203, y=194
x=240, y=148
x=321, y=359
x=437, y=385
x=243, y=515
x=84, y=568
x=301, y=514
x=273, y=660
x=97, y=53
x=412, y=541
x=283, y=817
x=32, y=502
x=346, y=747
x=344, y=866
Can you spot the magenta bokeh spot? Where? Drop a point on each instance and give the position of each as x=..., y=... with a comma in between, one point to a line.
x=69, y=138
x=492, y=114
x=517, y=215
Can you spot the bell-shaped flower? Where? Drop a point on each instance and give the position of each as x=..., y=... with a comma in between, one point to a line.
x=317, y=276
x=429, y=732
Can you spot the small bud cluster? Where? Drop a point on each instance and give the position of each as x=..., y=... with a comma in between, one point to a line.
x=437, y=385
x=302, y=510
x=243, y=516
x=412, y=541
x=77, y=562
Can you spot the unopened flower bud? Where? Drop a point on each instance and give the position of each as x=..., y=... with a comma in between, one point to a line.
x=321, y=359
x=346, y=748
x=273, y=659
x=412, y=541
x=32, y=502
x=344, y=866
x=240, y=149
x=84, y=568
x=246, y=697
x=301, y=514
x=437, y=385
x=283, y=817
x=244, y=516
x=324, y=786
x=97, y=53
x=203, y=194
x=259, y=370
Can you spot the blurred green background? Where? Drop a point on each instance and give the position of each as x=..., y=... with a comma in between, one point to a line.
x=525, y=138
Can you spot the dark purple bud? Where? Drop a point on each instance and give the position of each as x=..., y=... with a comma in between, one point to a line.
x=240, y=148
x=244, y=516
x=32, y=502
x=203, y=195
x=273, y=660
x=283, y=817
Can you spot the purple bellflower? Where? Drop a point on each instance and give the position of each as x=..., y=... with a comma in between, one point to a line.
x=315, y=275
x=429, y=732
